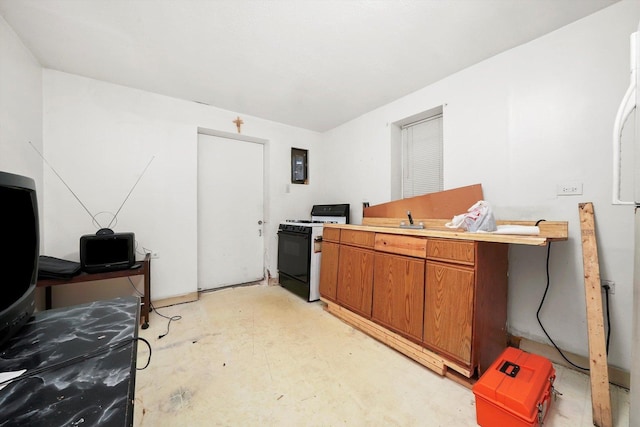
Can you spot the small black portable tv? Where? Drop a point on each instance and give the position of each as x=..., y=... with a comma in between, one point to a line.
x=107, y=252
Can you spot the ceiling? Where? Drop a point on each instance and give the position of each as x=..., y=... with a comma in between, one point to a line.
x=313, y=64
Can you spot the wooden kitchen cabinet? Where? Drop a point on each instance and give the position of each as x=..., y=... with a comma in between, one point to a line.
x=355, y=279
x=437, y=296
x=465, y=316
x=329, y=270
x=355, y=271
x=440, y=300
x=448, y=301
x=398, y=293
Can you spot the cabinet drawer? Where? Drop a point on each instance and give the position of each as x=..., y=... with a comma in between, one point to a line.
x=457, y=251
x=357, y=238
x=331, y=234
x=401, y=245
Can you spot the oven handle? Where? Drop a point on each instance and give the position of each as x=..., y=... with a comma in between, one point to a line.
x=294, y=234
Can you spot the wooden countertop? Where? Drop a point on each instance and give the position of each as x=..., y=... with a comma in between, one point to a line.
x=549, y=231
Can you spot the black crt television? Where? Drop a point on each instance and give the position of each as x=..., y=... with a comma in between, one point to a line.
x=19, y=251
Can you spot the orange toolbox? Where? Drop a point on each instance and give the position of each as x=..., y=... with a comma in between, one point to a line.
x=515, y=391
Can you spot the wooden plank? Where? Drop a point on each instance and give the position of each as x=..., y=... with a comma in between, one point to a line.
x=550, y=230
x=517, y=239
x=387, y=337
x=600, y=393
x=410, y=349
x=442, y=204
x=432, y=224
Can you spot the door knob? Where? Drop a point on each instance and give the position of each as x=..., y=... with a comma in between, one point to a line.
x=260, y=222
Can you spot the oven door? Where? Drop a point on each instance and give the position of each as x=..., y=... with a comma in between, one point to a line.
x=294, y=255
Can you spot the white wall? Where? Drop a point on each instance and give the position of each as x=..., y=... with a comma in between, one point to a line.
x=520, y=123
x=100, y=136
x=20, y=108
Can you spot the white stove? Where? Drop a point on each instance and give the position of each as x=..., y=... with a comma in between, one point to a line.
x=300, y=249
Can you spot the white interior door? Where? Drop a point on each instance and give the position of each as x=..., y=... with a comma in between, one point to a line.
x=230, y=212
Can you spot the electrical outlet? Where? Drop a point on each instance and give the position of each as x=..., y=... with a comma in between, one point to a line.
x=611, y=284
x=155, y=255
x=569, y=189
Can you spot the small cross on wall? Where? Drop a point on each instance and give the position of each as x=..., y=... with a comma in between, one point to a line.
x=238, y=123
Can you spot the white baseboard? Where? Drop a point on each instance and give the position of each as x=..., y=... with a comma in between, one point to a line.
x=617, y=376
x=180, y=299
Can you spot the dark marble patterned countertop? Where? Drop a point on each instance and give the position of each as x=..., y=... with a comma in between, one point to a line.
x=96, y=345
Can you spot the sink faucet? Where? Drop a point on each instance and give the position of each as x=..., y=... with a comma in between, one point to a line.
x=410, y=217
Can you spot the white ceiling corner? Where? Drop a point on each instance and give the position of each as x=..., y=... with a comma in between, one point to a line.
x=306, y=63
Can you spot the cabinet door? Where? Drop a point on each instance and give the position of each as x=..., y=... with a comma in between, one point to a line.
x=398, y=293
x=448, y=316
x=329, y=270
x=355, y=279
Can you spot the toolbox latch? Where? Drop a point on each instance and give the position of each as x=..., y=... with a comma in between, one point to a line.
x=543, y=407
x=510, y=369
x=541, y=412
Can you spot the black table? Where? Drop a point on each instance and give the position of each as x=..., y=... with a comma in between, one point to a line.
x=98, y=341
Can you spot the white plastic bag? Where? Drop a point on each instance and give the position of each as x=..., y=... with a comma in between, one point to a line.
x=479, y=217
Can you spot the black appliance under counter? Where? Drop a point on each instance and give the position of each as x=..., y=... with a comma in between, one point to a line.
x=96, y=346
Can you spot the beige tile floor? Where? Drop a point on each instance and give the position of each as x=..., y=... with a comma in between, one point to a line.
x=261, y=356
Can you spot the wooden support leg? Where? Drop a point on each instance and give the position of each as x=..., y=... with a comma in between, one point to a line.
x=47, y=298
x=146, y=299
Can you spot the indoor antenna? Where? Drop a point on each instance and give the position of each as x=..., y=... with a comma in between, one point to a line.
x=65, y=184
x=108, y=230
x=102, y=230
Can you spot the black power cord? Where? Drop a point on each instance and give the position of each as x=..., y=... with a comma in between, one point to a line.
x=80, y=358
x=149, y=358
x=170, y=318
x=606, y=297
x=606, y=288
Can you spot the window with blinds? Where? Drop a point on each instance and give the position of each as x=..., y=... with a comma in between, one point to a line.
x=422, y=157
